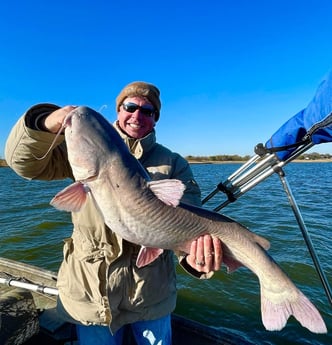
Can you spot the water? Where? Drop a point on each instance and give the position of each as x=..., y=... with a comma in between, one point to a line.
x=33, y=232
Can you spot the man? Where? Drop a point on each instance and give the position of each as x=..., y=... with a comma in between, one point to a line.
x=100, y=287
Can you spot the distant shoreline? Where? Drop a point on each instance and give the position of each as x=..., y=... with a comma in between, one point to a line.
x=3, y=163
x=241, y=162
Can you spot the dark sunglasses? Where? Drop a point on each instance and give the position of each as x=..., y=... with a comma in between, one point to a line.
x=145, y=109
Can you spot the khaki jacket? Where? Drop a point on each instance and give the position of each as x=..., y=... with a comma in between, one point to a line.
x=98, y=280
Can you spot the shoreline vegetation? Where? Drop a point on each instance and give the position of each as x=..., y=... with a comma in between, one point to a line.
x=219, y=159
x=3, y=163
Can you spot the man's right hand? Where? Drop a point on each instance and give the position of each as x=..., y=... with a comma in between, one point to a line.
x=54, y=121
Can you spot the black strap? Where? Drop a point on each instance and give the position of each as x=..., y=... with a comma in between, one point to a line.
x=261, y=150
x=230, y=195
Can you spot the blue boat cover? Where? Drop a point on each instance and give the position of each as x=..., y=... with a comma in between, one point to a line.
x=312, y=124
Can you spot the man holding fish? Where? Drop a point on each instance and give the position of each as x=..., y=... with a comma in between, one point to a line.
x=101, y=289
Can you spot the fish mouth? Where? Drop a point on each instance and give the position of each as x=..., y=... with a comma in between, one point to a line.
x=67, y=122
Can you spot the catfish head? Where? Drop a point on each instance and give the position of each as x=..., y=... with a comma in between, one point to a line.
x=88, y=142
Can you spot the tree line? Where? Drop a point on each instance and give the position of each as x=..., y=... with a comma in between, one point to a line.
x=236, y=158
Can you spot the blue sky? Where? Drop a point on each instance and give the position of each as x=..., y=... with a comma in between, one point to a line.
x=231, y=72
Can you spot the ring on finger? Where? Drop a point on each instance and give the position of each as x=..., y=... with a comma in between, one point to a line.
x=200, y=263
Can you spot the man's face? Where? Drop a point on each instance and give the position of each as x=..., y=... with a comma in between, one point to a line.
x=135, y=121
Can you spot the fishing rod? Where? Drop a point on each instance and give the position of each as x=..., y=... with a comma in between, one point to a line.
x=30, y=286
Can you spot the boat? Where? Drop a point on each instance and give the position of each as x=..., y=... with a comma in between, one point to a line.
x=28, y=313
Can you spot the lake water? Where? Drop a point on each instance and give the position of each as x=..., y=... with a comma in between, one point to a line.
x=32, y=231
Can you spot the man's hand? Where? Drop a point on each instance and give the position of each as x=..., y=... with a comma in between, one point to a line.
x=205, y=254
x=54, y=121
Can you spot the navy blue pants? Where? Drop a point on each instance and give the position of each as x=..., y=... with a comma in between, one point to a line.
x=152, y=332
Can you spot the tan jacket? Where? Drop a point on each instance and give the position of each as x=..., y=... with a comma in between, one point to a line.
x=98, y=280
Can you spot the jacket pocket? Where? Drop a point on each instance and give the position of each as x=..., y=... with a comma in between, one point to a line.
x=80, y=276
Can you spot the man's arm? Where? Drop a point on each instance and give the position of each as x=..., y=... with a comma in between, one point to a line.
x=28, y=142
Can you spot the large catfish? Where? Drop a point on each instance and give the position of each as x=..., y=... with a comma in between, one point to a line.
x=149, y=213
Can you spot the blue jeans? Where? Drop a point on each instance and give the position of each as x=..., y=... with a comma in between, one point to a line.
x=153, y=332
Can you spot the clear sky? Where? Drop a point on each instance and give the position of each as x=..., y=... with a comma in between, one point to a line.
x=231, y=72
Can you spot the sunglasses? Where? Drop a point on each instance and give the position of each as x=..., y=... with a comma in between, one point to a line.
x=145, y=109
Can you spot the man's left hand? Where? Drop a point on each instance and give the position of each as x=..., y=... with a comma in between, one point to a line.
x=205, y=254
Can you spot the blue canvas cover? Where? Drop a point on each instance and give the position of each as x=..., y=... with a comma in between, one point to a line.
x=312, y=124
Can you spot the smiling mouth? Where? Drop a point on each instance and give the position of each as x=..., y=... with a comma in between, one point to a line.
x=134, y=125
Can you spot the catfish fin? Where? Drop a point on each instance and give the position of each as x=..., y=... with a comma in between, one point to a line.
x=231, y=264
x=229, y=260
x=275, y=315
x=169, y=191
x=147, y=255
x=263, y=242
x=72, y=198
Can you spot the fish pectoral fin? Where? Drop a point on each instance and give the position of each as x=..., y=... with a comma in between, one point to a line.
x=147, y=255
x=169, y=191
x=72, y=198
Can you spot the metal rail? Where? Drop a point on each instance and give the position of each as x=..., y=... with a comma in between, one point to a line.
x=254, y=171
x=305, y=235
x=29, y=286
